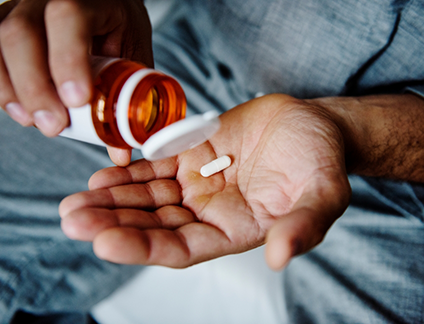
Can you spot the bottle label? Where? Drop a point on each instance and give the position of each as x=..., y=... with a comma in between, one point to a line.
x=82, y=127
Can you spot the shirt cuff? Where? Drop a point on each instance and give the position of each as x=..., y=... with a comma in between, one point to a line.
x=418, y=90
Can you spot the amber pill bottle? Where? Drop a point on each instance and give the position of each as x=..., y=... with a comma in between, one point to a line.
x=130, y=103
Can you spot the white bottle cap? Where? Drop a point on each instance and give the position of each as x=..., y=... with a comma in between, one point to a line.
x=181, y=136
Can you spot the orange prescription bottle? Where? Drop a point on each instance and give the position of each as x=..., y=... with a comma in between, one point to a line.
x=131, y=103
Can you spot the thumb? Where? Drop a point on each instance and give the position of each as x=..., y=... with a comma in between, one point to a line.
x=306, y=224
x=121, y=157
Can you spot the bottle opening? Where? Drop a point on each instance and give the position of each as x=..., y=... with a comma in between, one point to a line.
x=157, y=102
x=153, y=101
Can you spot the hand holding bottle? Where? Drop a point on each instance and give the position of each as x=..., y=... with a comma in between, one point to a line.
x=45, y=47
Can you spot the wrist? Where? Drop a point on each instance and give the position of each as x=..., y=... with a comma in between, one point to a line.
x=383, y=134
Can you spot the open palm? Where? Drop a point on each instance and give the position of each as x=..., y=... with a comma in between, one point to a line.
x=287, y=176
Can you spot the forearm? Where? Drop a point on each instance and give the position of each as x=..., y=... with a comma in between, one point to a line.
x=384, y=134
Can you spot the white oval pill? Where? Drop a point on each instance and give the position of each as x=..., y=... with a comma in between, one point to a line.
x=215, y=166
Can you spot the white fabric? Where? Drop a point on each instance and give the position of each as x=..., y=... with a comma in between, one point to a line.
x=232, y=290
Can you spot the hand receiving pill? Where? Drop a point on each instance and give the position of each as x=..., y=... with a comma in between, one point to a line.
x=215, y=166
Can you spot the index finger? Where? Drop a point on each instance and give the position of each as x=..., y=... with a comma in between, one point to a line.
x=190, y=244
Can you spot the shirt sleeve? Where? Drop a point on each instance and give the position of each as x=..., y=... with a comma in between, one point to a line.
x=417, y=89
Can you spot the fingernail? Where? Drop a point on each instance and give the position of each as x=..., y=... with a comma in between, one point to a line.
x=18, y=113
x=73, y=94
x=46, y=122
